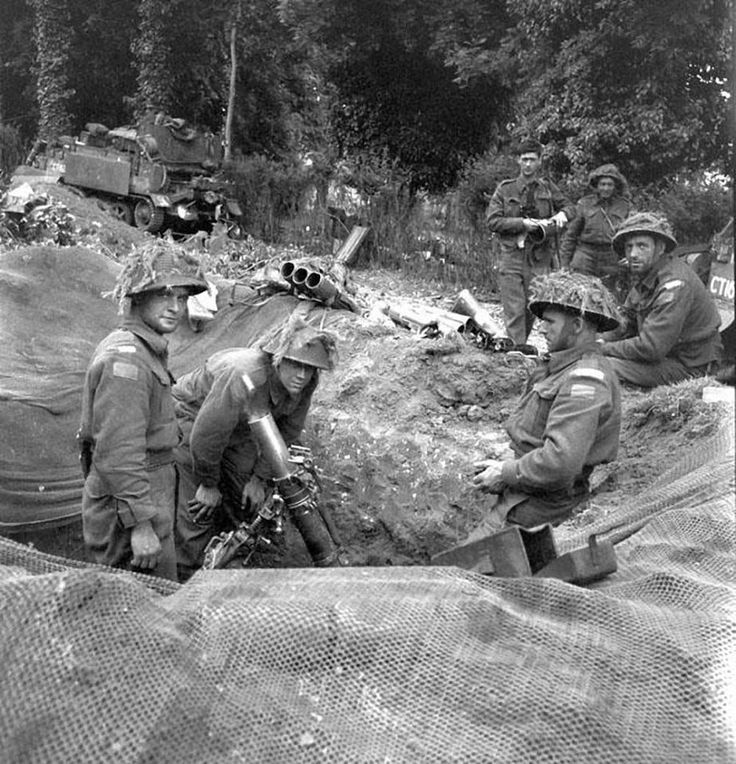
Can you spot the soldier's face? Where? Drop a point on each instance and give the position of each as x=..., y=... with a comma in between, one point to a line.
x=557, y=327
x=529, y=163
x=641, y=252
x=163, y=309
x=294, y=376
x=605, y=187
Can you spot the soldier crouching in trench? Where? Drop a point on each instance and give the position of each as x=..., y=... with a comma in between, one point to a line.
x=128, y=429
x=223, y=474
x=569, y=416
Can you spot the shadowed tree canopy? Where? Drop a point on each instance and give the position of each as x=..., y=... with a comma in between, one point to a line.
x=396, y=87
x=425, y=84
x=636, y=82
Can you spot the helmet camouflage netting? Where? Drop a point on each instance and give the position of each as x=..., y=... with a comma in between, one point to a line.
x=648, y=224
x=575, y=293
x=157, y=265
x=299, y=341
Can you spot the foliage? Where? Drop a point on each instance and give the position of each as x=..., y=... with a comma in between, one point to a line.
x=396, y=88
x=697, y=206
x=52, y=35
x=635, y=82
x=270, y=191
x=17, y=82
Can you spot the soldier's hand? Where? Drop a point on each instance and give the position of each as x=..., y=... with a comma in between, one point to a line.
x=560, y=219
x=530, y=224
x=145, y=545
x=204, y=503
x=489, y=477
x=254, y=494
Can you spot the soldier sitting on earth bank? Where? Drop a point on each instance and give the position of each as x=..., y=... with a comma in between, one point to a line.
x=671, y=332
x=569, y=416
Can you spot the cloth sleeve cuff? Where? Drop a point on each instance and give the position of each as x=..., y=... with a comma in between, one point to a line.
x=510, y=472
x=130, y=516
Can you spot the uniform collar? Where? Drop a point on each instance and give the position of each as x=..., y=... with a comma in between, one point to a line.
x=649, y=282
x=563, y=358
x=157, y=342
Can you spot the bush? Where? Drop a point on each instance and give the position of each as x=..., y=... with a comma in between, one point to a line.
x=697, y=205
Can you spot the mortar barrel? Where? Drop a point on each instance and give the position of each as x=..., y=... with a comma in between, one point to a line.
x=299, y=276
x=320, y=287
x=287, y=270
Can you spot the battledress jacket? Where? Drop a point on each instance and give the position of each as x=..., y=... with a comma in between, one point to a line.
x=592, y=228
x=128, y=416
x=670, y=315
x=505, y=214
x=568, y=420
x=213, y=405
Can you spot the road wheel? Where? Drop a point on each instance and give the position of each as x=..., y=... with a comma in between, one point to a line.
x=148, y=217
x=119, y=209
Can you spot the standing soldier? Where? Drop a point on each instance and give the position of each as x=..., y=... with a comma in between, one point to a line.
x=128, y=430
x=586, y=245
x=526, y=212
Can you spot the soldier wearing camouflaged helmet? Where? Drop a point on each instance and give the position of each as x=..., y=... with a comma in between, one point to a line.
x=568, y=418
x=128, y=429
x=671, y=329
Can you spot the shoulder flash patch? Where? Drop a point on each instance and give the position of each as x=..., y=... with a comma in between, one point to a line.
x=582, y=391
x=126, y=370
x=673, y=284
x=589, y=373
x=122, y=349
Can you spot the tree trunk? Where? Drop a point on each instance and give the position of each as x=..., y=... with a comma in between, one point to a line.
x=228, y=155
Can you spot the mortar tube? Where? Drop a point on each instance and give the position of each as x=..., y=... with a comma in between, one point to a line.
x=467, y=305
x=458, y=318
x=320, y=288
x=300, y=276
x=287, y=271
x=447, y=325
x=272, y=446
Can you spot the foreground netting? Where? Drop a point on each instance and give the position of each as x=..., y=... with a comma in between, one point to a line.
x=390, y=664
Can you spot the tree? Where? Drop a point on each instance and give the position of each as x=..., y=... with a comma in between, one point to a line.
x=636, y=82
x=397, y=90
x=52, y=32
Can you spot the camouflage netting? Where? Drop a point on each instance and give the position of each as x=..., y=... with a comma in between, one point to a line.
x=394, y=664
x=402, y=663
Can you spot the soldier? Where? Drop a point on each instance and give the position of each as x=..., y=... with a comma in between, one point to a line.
x=586, y=244
x=526, y=212
x=671, y=332
x=128, y=429
x=221, y=479
x=569, y=416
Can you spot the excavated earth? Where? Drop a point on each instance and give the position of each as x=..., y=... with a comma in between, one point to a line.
x=396, y=428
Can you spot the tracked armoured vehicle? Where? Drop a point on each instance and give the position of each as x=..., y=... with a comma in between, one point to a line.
x=159, y=174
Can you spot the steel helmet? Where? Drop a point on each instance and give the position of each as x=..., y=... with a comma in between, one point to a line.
x=159, y=265
x=300, y=342
x=647, y=223
x=575, y=293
